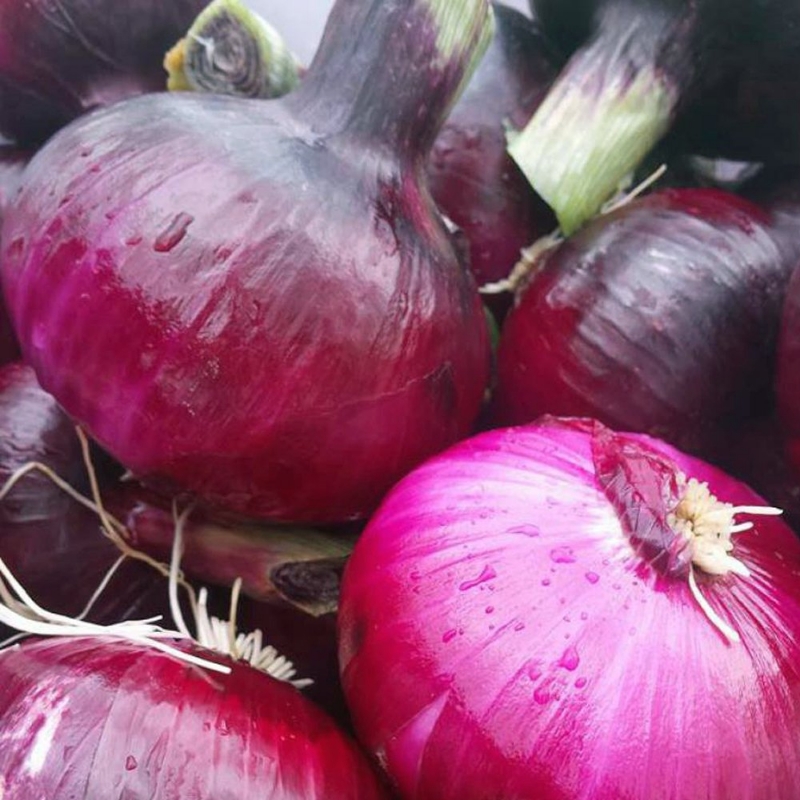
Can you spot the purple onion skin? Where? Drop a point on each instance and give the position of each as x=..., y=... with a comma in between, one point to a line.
x=503, y=634
x=473, y=179
x=787, y=382
x=12, y=163
x=60, y=60
x=162, y=730
x=51, y=543
x=658, y=318
x=256, y=302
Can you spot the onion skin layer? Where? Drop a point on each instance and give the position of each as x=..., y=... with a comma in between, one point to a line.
x=660, y=317
x=501, y=637
x=60, y=60
x=108, y=719
x=257, y=302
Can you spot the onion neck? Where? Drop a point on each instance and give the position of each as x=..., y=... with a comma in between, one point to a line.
x=388, y=71
x=613, y=102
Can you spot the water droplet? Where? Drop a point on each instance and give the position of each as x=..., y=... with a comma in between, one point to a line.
x=542, y=696
x=490, y=609
x=580, y=683
x=131, y=763
x=535, y=671
x=563, y=555
x=449, y=635
x=486, y=575
x=174, y=233
x=592, y=577
x=526, y=530
x=570, y=659
x=546, y=582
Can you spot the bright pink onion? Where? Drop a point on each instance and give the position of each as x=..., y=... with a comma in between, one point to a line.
x=96, y=718
x=532, y=614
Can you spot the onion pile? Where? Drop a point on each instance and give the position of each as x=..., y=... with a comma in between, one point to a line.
x=559, y=611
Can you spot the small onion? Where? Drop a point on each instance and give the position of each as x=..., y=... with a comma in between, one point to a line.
x=558, y=612
x=95, y=718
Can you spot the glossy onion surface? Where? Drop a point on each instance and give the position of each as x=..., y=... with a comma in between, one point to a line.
x=107, y=719
x=516, y=622
x=660, y=317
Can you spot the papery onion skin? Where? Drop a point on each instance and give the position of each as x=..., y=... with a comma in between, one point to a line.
x=60, y=60
x=104, y=718
x=472, y=177
x=258, y=302
x=502, y=637
x=660, y=317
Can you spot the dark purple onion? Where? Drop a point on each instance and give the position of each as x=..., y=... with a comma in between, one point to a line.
x=61, y=59
x=51, y=543
x=12, y=163
x=660, y=317
x=186, y=294
x=472, y=177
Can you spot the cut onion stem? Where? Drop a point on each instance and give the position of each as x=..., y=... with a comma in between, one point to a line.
x=232, y=50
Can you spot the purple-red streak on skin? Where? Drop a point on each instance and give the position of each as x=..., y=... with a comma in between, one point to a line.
x=504, y=635
x=59, y=60
x=660, y=317
x=256, y=301
x=102, y=718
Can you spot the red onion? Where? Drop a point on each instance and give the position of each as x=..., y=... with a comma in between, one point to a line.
x=59, y=60
x=12, y=162
x=103, y=718
x=472, y=177
x=256, y=302
x=49, y=541
x=787, y=384
x=553, y=612
x=660, y=317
